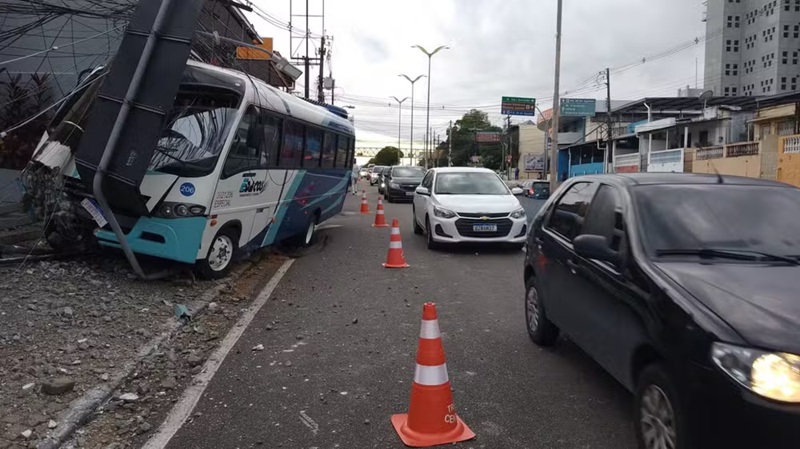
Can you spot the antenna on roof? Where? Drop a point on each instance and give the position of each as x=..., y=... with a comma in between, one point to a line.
x=705, y=96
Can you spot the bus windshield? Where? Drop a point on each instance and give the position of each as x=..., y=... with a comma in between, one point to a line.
x=195, y=134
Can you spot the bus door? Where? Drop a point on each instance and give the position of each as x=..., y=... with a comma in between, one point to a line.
x=243, y=178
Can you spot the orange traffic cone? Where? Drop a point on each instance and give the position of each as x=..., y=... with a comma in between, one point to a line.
x=364, y=204
x=380, y=216
x=431, y=419
x=395, y=257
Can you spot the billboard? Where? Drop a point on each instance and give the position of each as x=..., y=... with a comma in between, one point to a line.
x=578, y=107
x=518, y=106
x=487, y=137
x=534, y=162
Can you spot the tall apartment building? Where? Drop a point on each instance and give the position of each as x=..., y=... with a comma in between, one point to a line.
x=752, y=47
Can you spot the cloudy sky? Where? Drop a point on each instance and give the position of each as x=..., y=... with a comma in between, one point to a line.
x=498, y=47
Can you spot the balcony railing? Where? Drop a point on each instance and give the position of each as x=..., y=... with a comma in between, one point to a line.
x=732, y=150
x=791, y=145
x=703, y=154
x=742, y=149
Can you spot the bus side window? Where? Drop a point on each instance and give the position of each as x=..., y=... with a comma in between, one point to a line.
x=247, y=146
x=329, y=150
x=313, y=148
x=342, y=149
x=272, y=139
x=292, y=149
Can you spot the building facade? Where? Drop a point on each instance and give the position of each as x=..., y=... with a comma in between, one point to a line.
x=752, y=47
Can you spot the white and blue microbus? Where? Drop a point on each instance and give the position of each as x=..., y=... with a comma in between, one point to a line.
x=240, y=165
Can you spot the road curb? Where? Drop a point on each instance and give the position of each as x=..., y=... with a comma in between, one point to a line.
x=83, y=407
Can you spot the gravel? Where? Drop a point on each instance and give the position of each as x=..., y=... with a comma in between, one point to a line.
x=64, y=325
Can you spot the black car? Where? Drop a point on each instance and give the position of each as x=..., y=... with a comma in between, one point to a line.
x=686, y=289
x=537, y=189
x=400, y=182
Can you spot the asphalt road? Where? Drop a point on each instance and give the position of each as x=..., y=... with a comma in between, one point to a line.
x=340, y=336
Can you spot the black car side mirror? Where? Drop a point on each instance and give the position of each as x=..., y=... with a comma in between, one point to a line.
x=595, y=247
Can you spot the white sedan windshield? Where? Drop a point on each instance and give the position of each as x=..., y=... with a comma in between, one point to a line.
x=466, y=183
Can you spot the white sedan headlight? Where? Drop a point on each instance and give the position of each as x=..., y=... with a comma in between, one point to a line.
x=519, y=213
x=773, y=375
x=443, y=213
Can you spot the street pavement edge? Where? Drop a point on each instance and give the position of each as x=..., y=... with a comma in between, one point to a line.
x=183, y=408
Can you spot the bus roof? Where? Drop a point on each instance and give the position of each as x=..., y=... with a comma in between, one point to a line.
x=270, y=97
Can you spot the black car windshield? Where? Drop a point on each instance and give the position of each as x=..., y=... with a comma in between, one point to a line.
x=756, y=219
x=470, y=183
x=195, y=134
x=377, y=168
x=407, y=172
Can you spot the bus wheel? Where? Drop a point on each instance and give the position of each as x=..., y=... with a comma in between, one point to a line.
x=220, y=256
x=308, y=237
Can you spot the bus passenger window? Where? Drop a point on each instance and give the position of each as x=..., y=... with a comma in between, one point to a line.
x=313, y=148
x=341, y=152
x=292, y=150
x=272, y=140
x=329, y=150
x=247, y=146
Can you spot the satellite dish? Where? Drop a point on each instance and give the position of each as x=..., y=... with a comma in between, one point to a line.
x=705, y=96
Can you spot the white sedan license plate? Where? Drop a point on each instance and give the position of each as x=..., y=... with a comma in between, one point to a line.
x=409, y=193
x=484, y=228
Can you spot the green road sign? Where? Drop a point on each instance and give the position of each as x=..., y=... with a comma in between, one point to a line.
x=518, y=106
x=578, y=107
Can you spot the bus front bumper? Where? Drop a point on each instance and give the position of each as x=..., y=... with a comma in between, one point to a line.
x=174, y=239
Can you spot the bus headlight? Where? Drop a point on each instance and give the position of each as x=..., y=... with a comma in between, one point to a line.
x=179, y=210
x=772, y=375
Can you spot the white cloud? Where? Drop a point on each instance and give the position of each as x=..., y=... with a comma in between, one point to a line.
x=499, y=47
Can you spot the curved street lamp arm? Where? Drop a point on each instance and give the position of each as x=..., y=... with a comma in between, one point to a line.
x=410, y=80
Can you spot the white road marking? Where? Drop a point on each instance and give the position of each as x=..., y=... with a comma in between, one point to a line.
x=178, y=415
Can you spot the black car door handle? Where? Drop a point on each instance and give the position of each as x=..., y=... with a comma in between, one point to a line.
x=572, y=265
x=538, y=240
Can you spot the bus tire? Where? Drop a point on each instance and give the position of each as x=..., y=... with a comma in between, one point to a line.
x=221, y=255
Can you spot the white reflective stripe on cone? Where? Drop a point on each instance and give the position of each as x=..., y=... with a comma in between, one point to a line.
x=395, y=245
x=380, y=212
x=395, y=231
x=429, y=329
x=431, y=375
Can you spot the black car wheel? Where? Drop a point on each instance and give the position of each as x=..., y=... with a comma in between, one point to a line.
x=417, y=228
x=659, y=418
x=541, y=330
x=429, y=232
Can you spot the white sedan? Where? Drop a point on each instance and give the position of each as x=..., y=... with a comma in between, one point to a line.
x=461, y=204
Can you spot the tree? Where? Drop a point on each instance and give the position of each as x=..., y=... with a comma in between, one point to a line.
x=464, y=145
x=388, y=156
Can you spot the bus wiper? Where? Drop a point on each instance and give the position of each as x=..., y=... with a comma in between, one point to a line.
x=735, y=254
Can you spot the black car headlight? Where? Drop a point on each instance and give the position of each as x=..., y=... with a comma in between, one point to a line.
x=394, y=185
x=773, y=375
x=179, y=210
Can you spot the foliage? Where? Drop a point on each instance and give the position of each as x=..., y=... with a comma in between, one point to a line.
x=464, y=145
x=19, y=101
x=387, y=156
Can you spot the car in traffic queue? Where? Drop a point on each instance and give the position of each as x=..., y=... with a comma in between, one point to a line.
x=684, y=288
x=401, y=183
x=382, y=180
x=536, y=189
x=363, y=173
x=375, y=174
x=466, y=204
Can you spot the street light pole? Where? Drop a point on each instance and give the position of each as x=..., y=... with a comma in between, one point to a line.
x=399, y=118
x=411, y=142
x=556, y=105
x=428, y=112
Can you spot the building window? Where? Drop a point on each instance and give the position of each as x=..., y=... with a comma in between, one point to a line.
x=727, y=91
